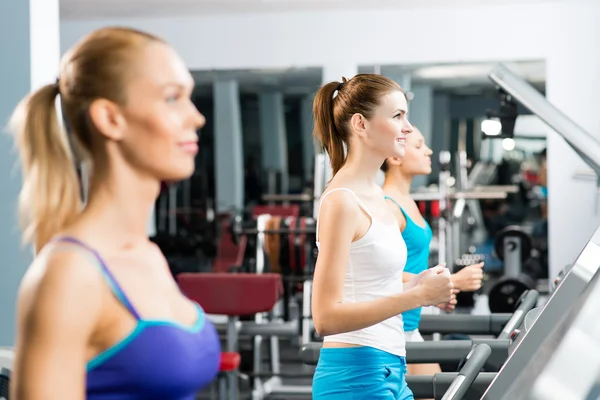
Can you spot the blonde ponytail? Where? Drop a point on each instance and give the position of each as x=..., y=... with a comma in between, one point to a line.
x=50, y=197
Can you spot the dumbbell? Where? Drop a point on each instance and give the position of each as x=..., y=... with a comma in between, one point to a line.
x=466, y=299
x=515, y=247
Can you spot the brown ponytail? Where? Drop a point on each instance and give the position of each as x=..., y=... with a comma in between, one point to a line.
x=325, y=129
x=50, y=196
x=359, y=95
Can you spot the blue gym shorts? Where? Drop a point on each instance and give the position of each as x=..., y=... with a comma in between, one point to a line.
x=360, y=373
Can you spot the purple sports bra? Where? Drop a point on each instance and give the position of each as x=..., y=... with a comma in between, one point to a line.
x=159, y=359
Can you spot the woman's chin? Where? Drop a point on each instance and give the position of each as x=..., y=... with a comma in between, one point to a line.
x=399, y=152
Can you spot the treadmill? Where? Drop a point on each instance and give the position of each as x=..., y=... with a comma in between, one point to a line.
x=564, y=298
x=567, y=363
x=575, y=280
x=555, y=378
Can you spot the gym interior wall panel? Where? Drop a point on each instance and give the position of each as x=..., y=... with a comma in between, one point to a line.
x=251, y=128
x=308, y=143
x=203, y=182
x=29, y=36
x=440, y=131
x=295, y=145
x=571, y=61
x=420, y=114
x=273, y=135
x=228, y=147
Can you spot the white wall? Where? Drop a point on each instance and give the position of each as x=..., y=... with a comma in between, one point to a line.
x=530, y=125
x=565, y=34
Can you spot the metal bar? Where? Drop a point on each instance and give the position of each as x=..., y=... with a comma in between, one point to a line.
x=289, y=389
x=288, y=197
x=471, y=193
x=528, y=302
x=477, y=195
x=580, y=140
x=437, y=351
x=475, y=361
x=254, y=231
x=306, y=312
x=495, y=188
x=469, y=324
x=232, y=346
x=434, y=387
x=454, y=351
x=251, y=328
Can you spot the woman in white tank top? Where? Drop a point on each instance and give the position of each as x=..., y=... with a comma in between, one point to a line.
x=358, y=293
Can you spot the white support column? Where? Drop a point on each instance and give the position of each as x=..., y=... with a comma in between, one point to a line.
x=572, y=85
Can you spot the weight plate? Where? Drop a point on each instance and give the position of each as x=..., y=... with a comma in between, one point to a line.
x=517, y=232
x=504, y=295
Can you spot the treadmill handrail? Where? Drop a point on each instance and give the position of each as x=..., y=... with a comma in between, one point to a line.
x=468, y=373
x=585, y=144
x=528, y=302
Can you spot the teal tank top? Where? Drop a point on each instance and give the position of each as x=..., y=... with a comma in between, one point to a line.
x=417, y=240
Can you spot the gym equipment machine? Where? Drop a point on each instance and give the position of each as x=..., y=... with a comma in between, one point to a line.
x=454, y=386
x=541, y=374
x=468, y=373
x=6, y=362
x=452, y=205
x=491, y=324
x=514, y=247
x=273, y=385
x=566, y=363
x=526, y=340
x=526, y=343
x=585, y=266
x=453, y=350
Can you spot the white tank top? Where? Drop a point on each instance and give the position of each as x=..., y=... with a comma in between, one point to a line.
x=374, y=270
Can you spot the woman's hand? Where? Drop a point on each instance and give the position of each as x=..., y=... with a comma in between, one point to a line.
x=469, y=278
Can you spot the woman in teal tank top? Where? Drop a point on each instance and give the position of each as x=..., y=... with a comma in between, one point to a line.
x=417, y=233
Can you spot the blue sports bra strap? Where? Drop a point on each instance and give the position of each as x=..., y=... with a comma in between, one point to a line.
x=398, y=204
x=108, y=276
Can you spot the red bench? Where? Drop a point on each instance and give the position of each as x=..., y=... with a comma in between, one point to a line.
x=233, y=295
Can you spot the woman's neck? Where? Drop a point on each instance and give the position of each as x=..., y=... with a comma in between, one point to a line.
x=363, y=169
x=121, y=204
x=397, y=182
